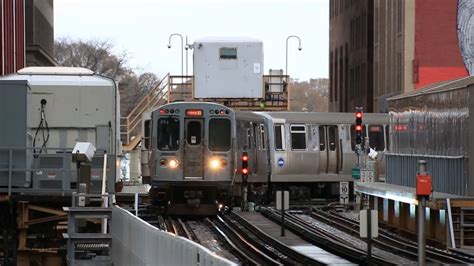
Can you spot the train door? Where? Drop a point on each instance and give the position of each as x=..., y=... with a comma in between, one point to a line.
x=329, y=149
x=193, y=148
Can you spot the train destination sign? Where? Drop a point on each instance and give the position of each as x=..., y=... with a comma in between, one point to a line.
x=193, y=112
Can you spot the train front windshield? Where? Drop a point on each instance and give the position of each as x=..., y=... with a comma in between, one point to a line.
x=219, y=134
x=168, y=134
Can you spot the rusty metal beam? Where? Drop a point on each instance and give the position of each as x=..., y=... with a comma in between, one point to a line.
x=46, y=210
x=47, y=219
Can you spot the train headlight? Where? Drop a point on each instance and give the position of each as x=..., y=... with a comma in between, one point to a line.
x=215, y=163
x=173, y=163
x=163, y=162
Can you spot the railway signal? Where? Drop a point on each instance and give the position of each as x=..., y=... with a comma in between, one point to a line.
x=245, y=172
x=358, y=126
x=245, y=165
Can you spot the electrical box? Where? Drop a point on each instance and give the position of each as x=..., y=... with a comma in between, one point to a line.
x=14, y=137
x=83, y=152
x=228, y=68
x=423, y=185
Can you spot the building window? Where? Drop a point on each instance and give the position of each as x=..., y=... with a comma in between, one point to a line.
x=228, y=53
x=399, y=15
x=336, y=74
x=331, y=77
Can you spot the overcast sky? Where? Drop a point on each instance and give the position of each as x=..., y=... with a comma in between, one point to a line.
x=142, y=28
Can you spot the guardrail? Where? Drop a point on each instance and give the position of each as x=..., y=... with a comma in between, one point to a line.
x=24, y=168
x=135, y=242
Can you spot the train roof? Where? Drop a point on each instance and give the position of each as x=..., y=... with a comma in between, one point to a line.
x=60, y=76
x=248, y=115
x=326, y=118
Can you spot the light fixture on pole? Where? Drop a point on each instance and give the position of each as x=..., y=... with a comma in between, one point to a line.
x=299, y=49
x=187, y=47
x=169, y=47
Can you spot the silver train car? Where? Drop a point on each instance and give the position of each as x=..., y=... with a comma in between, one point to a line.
x=196, y=154
x=192, y=156
x=310, y=153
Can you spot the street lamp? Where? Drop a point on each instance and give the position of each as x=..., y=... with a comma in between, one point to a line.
x=187, y=47
x=169, y=47
x=299, y=48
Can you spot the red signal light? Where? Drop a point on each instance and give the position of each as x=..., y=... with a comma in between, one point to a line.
x=358, y=114
x=358, y=128
x=162, y=111
x=245, y=171
x=245, y=158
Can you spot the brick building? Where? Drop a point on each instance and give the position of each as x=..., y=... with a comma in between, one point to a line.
x=27, y=35
x=409, y=44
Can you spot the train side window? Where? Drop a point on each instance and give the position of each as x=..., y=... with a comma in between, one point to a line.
x=168, y=134
x=255, y=135
x=219, y=134
x=146, y=132
x=322, y=138
x=387, y=138
x=249, y=139
x=263, y=137
x=279, y=138
x=332, y=138
x=353, y=144
x=376, y=137
x=298, y=137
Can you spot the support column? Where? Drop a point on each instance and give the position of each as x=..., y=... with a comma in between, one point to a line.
x=23, y=217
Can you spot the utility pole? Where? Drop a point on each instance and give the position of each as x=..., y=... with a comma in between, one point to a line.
x=423, y=191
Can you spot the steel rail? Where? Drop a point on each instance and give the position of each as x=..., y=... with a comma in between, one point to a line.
x=388, y=242
x=324, y=240
x=301, y=258
x=241, y=245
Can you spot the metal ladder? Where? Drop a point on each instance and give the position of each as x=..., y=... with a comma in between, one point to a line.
x=84, y=247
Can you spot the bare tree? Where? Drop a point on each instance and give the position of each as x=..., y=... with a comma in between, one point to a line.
x=98, y=57
x=309, y=96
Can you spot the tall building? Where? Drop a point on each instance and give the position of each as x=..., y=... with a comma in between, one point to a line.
x=410, y=44
x=26, y=35
x=350, y=55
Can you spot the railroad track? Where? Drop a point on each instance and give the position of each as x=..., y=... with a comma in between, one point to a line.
x=385, y=241
x=323, y=239
x=244, y=249
x=273, y=247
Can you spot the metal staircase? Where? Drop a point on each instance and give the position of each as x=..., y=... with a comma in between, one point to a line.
x=173, y=88
x=461, y=226
x=131, y=125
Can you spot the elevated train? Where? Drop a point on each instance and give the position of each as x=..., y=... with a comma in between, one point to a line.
x=195, y=151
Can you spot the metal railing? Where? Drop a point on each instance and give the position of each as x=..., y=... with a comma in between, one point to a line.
x=21, y=168
x=450, y=173
x=155, y=97
x=136, y=242
x=181, y=88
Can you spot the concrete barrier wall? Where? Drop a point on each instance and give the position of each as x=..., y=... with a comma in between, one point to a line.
x=135, y=242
